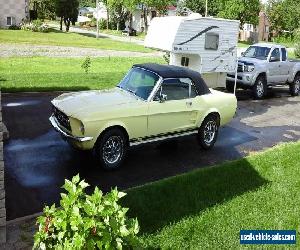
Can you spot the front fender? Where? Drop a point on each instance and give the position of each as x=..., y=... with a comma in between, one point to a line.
x=209, y=111
x=112, y=124
x=257, y=73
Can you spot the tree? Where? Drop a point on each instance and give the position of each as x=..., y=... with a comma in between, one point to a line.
x=283, y=14
x=118, y=11
x=275, y=13
x=246, y=11
x=159, y=5
x=291, y=10
x=45, y=8
x=214, y=6
x=67, y=10
x=87, y=3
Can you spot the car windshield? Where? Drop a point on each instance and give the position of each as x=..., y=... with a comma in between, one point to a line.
x=139, y=82
x=257, y=52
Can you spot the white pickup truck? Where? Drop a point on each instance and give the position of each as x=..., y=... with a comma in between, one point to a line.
x=265, y=65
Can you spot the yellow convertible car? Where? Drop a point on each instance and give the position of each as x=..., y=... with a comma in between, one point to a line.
x=153, y=102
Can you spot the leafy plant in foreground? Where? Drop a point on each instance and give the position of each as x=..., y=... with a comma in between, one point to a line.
x=84, y=221
x=86, y=64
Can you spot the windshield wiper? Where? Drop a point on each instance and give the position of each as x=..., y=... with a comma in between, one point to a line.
x=131, y=91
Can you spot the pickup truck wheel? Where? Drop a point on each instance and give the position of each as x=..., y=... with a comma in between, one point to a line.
x=111, y=148
x=208, y=132
x=259, y=88
x=295, y=86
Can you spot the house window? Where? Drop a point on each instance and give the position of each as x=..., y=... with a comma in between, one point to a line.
x=211, y=41
x=267, y=29
x=185, y=61
x=9, y=21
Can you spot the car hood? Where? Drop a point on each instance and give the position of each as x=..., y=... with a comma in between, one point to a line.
x=250, y=60
x=77, y=103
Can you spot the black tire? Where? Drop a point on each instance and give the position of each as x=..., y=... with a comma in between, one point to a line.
x=208, y=141
x=295, y=86
x=259, y=88
x=108, y=157
x=230, y=86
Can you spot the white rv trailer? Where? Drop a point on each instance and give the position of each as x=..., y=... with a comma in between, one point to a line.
x=205, y=44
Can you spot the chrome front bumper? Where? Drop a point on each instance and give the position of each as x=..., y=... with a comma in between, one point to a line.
x=56, y=126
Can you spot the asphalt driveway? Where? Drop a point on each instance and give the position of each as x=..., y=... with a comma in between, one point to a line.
x=37, y=159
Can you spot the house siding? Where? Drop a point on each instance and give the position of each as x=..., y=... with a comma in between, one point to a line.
x=17, y=9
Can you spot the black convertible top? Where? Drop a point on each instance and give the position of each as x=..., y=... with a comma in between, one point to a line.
x=171, y=71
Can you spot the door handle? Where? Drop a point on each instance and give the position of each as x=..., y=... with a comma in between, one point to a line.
x=189, y=103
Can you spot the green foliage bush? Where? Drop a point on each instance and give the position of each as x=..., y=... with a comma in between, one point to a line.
x=35, y=26
x=102, y=24
x=84, y=221
x=297, y=42
x=86, y=64
x=14, y=27
x=285, y=39
x=297, y=50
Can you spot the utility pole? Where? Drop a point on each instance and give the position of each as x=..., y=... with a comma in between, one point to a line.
x=206, y=8
x=97, y=17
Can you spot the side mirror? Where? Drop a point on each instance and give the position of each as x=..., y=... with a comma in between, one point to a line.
x=243, y=54
x=163, y=98
x=273, y=59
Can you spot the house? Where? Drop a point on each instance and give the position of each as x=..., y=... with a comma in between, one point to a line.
x=84, y=11
x=263, y=27
x=138, y=21
x=172, y=10
x=248, y=33
x=13, y=12
x=261, y=32
x=101, y=12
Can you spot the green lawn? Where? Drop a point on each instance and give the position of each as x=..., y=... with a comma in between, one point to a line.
x=66, y=39
x=46, y=74
x=208, y=207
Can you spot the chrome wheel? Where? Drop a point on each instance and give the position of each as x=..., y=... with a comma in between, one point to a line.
x=260, y=89
x=210, y=130
x=113, y=149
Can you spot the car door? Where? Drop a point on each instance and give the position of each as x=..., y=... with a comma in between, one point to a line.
x=274, y=73
x=176, y=112
x=285, y=65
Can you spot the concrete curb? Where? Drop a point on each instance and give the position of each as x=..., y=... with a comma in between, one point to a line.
x=24, y=218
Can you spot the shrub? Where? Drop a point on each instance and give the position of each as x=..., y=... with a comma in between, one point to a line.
x=35, y=26
x=86, y=221
x=297, y=42
x=14, y=27
x=86, y=64
x=297, y=35
x=297, y=50
x=93, y=22
x=166, y=57
x=287, y=39
x=102, y=24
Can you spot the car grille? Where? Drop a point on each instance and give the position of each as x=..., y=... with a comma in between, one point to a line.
x=240, y=68
x=62, y=118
